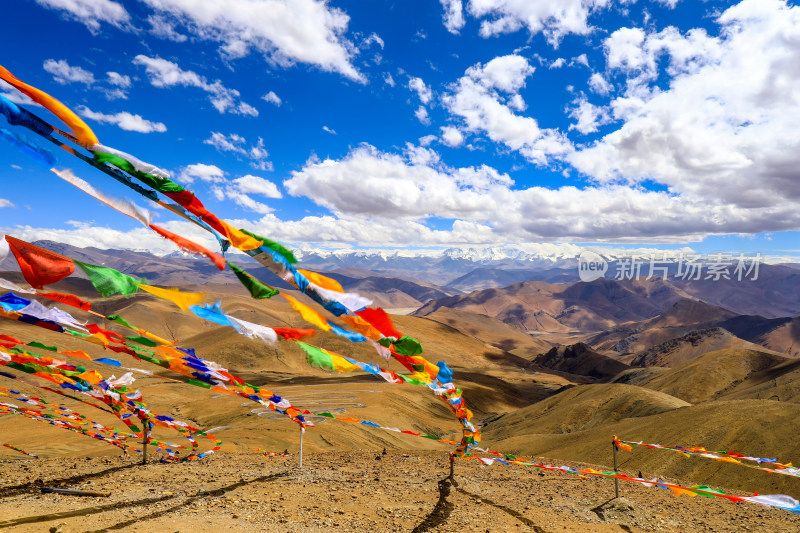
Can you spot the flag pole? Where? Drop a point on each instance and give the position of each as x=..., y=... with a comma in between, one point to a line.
x=616, y=468
x=145, y=439
x=302, y=432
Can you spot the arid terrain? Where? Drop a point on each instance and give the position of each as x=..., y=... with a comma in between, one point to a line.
x=551, y=371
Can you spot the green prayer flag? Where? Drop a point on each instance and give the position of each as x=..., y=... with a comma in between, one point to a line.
x=407, y=346
x=158, y=183
x=119, y=320
x=274, y=246
x=257, y=289
x=108, y=281
x=37, y=344
x=143, y=340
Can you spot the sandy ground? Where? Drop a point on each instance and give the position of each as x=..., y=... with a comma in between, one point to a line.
x=401, y=491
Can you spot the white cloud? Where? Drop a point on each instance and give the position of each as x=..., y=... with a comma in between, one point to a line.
x=163, y=27
x=599, y=84
x=6, y=203
x=422, y=115
x=201, y=171
x=120, y=80
x=329, y=130
x=124, y=120
x=237, y=144
x=453, y=15
x=423, y=91
x=478, y=100
x=588, y=116
x=64, y=73
x=452, y=137
x=715, y=135
x=388, y=79
x=416, y=186
x=554, y=18
x=90, y=12
x=285, y=31
x=163, y=73
x=272, y=98
x=250, y=184
x=558, y=63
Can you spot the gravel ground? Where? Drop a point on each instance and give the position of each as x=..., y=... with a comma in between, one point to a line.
x=357, y=491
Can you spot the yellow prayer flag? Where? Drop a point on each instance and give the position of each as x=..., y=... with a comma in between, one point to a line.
x=181, y=299
x=308, y=314
x=239, y=239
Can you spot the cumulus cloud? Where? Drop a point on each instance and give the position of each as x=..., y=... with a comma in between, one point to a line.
x=422, y=115
x=237, y=189
x=453, y=15
x=588, y=116
x=201, y=171
x=90, y=12
x=553, y=18
x=415, y=186
x=272, y=98
x=163, y=73
x=714, y=134
x=124, y=120
x=451, y=136
x=250, y=184
x=484, y=99
x=65, y=73
x=120, y=80
x=285, y=31
x=423, y=91
x=237, y=144
x=6, y=203
x=163, y=27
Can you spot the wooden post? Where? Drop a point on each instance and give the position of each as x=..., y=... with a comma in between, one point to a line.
x=616, y=468
x=145, y=440
x=302, y=432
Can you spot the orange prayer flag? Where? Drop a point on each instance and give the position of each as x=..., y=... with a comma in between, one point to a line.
x=77, y=353
x=188, y=246
x=82, y=132
x=322, y=281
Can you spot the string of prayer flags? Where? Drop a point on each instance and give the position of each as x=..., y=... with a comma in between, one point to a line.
x=259, y=249
x=724, y=456
x=20, y=450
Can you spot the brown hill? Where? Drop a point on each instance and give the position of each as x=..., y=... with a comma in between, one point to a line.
x=700, y=341
x=780, y=335
x=491, y=331
x=580, y=360
x=715, y=375
x=540, y=306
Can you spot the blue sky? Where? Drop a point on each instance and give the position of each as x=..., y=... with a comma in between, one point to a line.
x=425, y=124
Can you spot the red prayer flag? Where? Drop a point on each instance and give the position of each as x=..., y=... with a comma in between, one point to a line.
x=39, y=267
x=196, y=207
x=188, y=246
x=380, y=320
x=9, y=341
x=113, y=337
x=68, y=299
x=291, y=334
